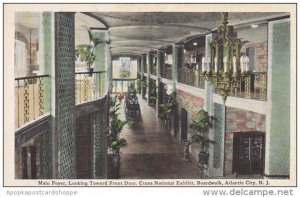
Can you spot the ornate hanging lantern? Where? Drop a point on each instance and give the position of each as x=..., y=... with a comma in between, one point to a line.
x=226, y=68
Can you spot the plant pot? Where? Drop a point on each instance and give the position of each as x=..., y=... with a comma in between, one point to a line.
x=203, y=157
x=114, y=166
x=90, y=70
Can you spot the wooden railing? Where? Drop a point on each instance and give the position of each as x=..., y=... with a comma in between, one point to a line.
x=191, y=77
x=30, y=98
x=121, y=85
x=253, y=87
x=89, y=86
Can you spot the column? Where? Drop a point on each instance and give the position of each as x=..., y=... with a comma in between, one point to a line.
x=139, y=75
x=48, y=62
x=277, y=153
x=217, y=134
x=160, y=64
x=64, y=116
x=178, y=59
x=149, y=66
x=102, y=62
x=99, y=140
x=143, y=65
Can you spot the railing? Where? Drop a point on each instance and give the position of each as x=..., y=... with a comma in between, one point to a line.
x=30, y=98
x=191, y=77
x=153, y=71
x=121, y=85
x=166, y=73
x=254, y=87
x=89, y=86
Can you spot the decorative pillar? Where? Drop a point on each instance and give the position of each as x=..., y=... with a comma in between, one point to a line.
x=149, y=66
x=159, y=66
x=99, y=140
x=277, y=153
x=178, y=59
x=216, y=151
x=102, y=61
x=47, y=33
x=138, y=74
x=64, y=116
x=48, y=64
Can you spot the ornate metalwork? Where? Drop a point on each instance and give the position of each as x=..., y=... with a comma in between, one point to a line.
x=26, y=100
x=218, y=135
x=86, y=87
x=226, y=74
x=41, y=96
x=94, y=87
x=247, y=87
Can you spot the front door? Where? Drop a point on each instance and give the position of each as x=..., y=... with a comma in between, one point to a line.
x=248, y=153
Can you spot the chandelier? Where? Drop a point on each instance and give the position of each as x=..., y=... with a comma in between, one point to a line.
x=227, y=67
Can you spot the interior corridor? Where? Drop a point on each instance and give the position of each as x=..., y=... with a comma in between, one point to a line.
x=152, y=153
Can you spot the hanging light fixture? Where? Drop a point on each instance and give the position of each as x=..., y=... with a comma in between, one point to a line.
x=227, y=68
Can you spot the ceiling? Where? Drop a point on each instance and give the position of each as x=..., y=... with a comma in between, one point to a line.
x=136, y=33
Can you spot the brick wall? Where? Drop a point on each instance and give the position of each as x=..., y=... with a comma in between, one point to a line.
x=261, y=55
x=238, y=120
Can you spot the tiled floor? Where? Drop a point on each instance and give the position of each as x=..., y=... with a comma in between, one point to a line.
x=151, y=153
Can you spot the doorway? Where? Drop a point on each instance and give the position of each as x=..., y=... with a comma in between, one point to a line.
x=248, y=153
x=184, y=125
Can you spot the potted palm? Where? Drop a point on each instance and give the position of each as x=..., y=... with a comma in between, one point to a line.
x=115, y=142
x=200, y=125
x=152, y=94
x=168, y=109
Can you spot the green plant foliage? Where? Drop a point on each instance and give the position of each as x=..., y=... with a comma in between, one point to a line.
x=152, y=92
x=169, y=106
x=85, y=52
x=125, y=74
x=200, y=125
x=143, y=83
x=116, y=125
x=138, y=85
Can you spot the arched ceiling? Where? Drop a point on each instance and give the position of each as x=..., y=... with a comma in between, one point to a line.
x=136, y=33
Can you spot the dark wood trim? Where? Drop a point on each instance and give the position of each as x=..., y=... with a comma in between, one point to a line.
x=34, y=129
x=32, y=77
x=277, y=176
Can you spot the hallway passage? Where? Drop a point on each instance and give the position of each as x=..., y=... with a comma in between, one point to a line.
x=151, y=153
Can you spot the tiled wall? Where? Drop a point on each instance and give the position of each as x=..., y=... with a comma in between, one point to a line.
x=65, y=91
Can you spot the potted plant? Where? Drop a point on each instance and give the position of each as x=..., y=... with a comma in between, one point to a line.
x=86, y=53
x=200, y=125
x=168, y=109
x=116, y=143
x=138, y=86
x=152, y=94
